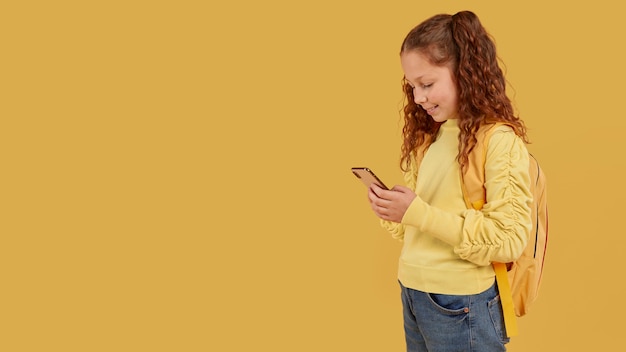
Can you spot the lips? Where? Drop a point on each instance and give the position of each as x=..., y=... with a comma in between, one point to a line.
x=430, y=110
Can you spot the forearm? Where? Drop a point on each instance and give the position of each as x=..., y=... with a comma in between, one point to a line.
x=477, y=237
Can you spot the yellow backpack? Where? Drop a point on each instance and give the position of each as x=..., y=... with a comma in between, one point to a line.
x=519, y=281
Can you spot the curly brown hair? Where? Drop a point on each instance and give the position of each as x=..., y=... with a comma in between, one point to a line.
x=461, y=42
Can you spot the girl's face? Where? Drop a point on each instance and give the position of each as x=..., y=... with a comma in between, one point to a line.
x=433, y=86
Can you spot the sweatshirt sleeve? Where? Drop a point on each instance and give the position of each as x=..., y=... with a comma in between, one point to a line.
x=395, y=229
x=499, y=232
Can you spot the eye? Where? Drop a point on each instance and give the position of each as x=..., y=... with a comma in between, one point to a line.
x=427, y=85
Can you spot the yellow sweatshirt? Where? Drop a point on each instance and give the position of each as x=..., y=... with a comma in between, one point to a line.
x=448, y=248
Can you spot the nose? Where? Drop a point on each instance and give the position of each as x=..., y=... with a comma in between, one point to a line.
x=420, y=98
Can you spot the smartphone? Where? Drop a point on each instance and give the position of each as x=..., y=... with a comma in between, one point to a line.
x=368, y=177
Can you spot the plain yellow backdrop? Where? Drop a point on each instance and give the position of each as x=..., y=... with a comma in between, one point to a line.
x=175, y=174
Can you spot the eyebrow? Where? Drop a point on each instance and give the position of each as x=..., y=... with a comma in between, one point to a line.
x=416, y=79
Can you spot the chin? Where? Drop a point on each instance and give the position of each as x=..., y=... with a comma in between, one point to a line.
x=440, y=118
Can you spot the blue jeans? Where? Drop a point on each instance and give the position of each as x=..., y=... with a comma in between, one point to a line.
x=453, y=323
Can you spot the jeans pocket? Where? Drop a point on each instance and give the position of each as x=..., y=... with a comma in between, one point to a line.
x=497, y=318
x=449, y=304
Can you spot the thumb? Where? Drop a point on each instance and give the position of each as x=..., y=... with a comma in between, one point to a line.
x=401, y=189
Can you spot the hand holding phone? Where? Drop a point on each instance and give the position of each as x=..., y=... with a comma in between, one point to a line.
x=394, y=204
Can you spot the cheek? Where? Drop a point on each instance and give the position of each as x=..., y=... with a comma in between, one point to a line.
x=439, y=96
x=452, y=96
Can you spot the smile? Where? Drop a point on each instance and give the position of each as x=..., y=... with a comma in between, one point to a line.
x=431, y=109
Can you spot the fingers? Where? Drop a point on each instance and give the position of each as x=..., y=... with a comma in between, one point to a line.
x=380, y=192
x=390, y=204
x=381, y=207
x=401, y=189
x=376, y=198
x=382, y=211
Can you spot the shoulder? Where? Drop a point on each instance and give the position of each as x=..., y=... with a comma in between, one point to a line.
x=489, y=129
x=502, y=134
x=504, y=146
x=498, y=134
x=502, y=128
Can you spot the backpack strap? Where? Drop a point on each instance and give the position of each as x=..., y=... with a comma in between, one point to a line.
x=506, y=297
x=475, y=198
x=474, y=173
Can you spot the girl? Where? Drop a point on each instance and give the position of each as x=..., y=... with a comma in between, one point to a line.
x=453, y=87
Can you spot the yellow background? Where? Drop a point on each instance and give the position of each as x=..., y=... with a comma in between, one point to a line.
x=175, y=174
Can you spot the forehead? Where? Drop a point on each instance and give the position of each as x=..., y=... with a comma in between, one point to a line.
x=416, y=66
